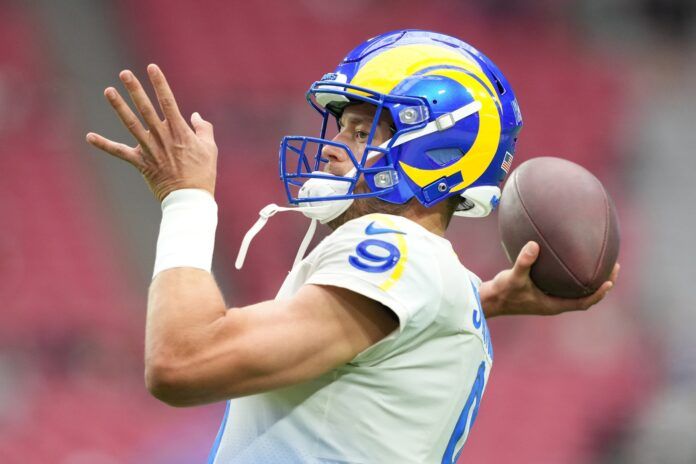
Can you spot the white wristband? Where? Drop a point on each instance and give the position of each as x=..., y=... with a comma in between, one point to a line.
x=187, y=231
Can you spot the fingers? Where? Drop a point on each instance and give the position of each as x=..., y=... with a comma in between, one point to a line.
x=119, y=150
x=615, y=273
x=203, y=128
x=527, y=257
x=581, y=304
x=166, y=99
x=141, y=100
x=128, y=118
x=597, y=296
x=558, y=305
x=602, y=291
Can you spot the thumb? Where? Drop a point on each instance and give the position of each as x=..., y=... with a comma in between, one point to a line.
x=528, y=255
x=203, y=128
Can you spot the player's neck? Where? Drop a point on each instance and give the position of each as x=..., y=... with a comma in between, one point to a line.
x=433, y=219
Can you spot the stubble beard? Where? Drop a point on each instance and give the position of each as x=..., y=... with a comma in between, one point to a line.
x=369, y=205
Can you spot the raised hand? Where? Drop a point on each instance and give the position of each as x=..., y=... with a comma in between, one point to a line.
x=512, y=292
x=169, y=154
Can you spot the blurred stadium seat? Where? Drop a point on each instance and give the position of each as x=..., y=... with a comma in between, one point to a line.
x=70, y=316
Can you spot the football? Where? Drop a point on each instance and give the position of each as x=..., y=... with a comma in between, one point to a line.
x=566, y=210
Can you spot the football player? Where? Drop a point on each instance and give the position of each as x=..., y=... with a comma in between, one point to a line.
x=376, y=348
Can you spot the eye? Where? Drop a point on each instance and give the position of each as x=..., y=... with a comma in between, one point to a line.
x=361, y=135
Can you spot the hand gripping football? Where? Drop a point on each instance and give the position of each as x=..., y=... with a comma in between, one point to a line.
x=565, y=209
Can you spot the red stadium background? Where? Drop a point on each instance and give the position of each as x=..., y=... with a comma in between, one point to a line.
x=606, y=84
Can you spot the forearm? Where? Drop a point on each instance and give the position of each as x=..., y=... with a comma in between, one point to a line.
x=182, y=303
x=184, y=309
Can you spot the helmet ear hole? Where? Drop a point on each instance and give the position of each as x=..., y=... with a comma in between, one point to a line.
x=464, y=204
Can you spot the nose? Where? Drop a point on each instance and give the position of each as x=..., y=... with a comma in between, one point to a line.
x=334, y=153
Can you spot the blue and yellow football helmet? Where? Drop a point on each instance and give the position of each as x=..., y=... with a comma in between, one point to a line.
x=456, y=121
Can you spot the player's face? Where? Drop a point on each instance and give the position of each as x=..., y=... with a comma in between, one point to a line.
x=354, y=129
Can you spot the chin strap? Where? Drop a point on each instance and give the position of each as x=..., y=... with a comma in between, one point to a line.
x=322, y=211
x=265, y=213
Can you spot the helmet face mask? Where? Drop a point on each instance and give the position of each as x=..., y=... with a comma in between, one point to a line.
x=301, y=157
x=455, y=122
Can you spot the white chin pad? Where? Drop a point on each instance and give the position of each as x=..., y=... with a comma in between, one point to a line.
x=327, y=210
x=483, y=200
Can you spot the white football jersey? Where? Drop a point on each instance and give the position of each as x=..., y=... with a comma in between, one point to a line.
x=410, y=398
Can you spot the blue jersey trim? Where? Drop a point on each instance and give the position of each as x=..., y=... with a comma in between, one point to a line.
x=218, y=438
